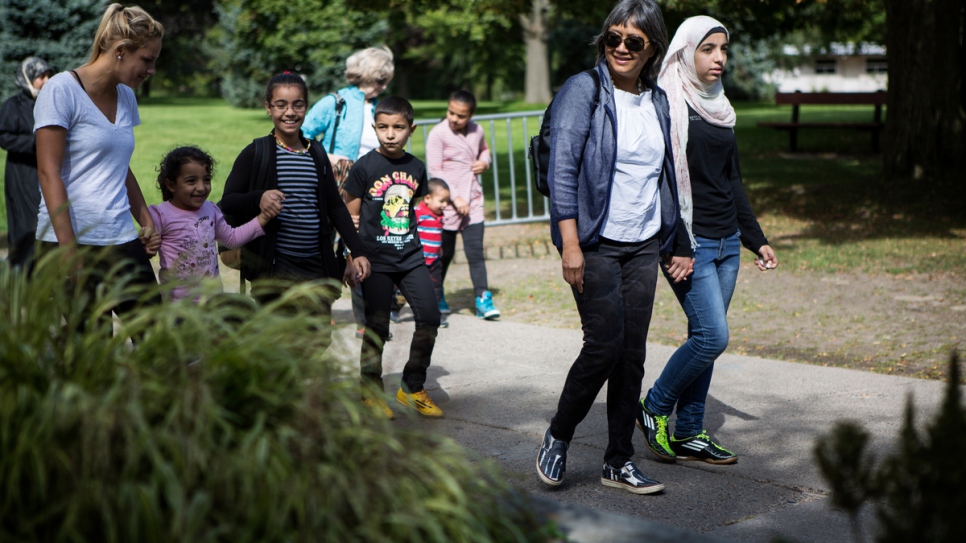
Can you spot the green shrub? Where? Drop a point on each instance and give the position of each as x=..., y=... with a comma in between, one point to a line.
x=918, y=489
x=224, y=422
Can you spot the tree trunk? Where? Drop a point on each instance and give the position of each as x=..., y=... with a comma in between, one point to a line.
x=924, y=134
x=537, y=88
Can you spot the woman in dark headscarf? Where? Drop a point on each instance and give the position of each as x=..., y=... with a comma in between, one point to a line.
x=22, y=189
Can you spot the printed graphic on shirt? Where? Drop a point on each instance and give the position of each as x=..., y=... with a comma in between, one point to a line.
x=194, y=257
x=396, y=191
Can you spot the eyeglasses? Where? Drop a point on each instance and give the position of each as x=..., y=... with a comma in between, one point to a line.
x=382, y=82
x=633, y=43
x=298, y=106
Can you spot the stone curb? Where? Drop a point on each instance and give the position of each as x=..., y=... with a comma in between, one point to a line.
x=536, y=249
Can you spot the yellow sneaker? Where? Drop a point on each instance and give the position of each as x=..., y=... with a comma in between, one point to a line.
x=420, y=401
x=379, y=407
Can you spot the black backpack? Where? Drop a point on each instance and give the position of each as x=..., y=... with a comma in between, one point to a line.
x=539, y=152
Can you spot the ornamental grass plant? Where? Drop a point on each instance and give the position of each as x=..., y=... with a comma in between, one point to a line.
x=222, y=421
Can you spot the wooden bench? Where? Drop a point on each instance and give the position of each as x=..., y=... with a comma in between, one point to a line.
x=798, y=98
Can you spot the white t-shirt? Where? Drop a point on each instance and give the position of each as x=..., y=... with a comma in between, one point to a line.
x=634, y=210
x=369, y=139
x=96, y=161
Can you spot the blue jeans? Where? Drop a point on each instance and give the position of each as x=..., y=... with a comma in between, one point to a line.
x=705, y=297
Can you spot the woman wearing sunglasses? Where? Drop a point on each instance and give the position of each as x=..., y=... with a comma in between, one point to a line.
x=614, y=211
x=718, y=221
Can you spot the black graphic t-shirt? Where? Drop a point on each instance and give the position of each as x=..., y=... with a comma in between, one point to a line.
x=390, y=189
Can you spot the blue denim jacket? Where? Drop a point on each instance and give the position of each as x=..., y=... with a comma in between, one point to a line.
x=321, y=118
x=583, y=156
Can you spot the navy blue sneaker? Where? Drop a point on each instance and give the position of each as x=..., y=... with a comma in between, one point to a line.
x=552, y=460
x=630, y=479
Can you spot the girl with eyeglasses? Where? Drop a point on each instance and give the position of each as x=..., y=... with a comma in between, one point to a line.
x=718, y=221
x=613, y=215
x=286, y=175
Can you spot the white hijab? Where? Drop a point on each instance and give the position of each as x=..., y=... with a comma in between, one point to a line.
x=679, y=79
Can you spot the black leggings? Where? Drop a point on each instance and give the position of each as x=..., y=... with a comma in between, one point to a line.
x=417, y=287
x=473, y=247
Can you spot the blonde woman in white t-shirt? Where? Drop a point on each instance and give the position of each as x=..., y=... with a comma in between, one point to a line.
x=84, y=123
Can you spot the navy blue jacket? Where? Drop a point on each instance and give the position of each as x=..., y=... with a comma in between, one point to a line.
x=583, y=156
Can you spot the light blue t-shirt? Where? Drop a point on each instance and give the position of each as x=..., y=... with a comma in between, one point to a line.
x=96, y=161
x=634, y=210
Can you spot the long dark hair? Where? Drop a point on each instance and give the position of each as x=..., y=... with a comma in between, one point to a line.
x=170, y=167
x=647, y=17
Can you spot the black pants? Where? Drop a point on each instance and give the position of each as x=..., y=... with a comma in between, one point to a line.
x=417, y=287
x=615, y=312
x=288, y=270
x=473, y=247
x=436, y=276
x=134, y=262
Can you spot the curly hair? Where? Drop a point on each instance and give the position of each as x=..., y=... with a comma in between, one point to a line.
x=170, y=167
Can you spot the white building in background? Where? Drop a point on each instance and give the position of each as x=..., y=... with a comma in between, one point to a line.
x=843, y=67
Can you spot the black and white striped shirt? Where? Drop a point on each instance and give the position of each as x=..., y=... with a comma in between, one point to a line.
x=298, y=233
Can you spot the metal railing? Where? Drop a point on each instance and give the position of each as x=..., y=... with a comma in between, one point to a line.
x=507, y=200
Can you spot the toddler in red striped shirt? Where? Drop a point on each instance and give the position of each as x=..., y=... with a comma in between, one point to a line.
x=429, y=226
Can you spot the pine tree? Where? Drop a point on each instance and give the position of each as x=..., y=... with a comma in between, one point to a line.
x=58, y=31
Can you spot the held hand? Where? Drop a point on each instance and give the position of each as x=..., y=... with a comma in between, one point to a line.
x=479, y=167
x=572, y=261
x=462, y=206
x=150, y=239
x=271, y=202
x=767, y=259
x=349, y=276
x=362, y=268
x=679, y=267
x=153, y=244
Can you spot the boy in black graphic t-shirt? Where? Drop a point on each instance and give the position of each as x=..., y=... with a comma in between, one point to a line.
x=382, y=190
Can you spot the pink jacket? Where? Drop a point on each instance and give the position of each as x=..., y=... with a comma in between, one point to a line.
x=449, y=156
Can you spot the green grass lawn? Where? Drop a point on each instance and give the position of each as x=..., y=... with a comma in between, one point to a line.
x=825, y=208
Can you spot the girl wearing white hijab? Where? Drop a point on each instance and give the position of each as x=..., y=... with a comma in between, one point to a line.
x=719, y=220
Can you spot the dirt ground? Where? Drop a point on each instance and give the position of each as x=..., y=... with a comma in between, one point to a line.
x=901, y=325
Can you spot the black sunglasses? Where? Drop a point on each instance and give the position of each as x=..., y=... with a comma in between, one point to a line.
x=633, y=43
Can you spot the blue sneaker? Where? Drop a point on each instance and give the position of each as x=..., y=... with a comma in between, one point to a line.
x=443, y=306
x=484, y=307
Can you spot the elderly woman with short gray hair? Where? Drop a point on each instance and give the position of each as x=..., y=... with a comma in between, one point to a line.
x=344, y=118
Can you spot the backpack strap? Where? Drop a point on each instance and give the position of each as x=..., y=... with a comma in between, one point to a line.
x=261, y=163
x=596, y=77
x=339, y=105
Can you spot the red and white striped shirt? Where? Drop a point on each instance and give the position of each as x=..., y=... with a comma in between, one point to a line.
x=429, y=226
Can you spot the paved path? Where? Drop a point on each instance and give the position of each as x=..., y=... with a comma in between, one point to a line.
x=498, y=383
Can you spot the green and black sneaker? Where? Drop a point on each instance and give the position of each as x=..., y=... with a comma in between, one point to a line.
x=655, y=432
x=702, y=448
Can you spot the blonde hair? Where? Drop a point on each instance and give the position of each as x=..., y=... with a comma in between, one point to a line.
x=369, y=65
x=131, y=27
